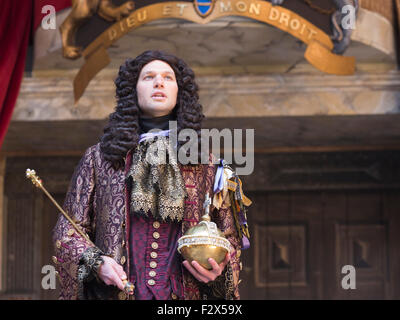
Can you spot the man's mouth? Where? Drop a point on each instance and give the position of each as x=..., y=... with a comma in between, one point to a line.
x=159, y=96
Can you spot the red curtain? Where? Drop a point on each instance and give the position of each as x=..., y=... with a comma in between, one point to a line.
x=15, y=29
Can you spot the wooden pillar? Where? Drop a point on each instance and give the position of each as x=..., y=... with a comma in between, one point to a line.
x=2, y=215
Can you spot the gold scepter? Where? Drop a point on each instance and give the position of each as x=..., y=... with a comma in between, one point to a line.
x=31, y=174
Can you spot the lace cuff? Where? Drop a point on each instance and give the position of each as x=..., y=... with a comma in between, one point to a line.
x=89, y=264
x=222, y=288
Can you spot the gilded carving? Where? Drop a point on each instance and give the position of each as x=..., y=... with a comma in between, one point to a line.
x=82, y=10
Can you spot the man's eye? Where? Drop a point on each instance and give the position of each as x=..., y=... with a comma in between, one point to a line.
x=169, y=77
x=147, y=77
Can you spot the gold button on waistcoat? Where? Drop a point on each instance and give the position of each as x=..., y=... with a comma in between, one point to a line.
x=154, y=245
x=156, y=235
x=55, y=260
x=58, y=244
x=123, y=259
x=122, y=295
x=174, y=296
x=70, y=232
x=152, y=273
x=156, y=224
x=151, y=282
x=153, y=264
x=153, y=255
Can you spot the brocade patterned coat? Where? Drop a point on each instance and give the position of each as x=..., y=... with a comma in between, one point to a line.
x=98, y=201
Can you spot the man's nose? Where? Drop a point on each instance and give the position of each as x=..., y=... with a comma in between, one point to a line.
x=158, y=81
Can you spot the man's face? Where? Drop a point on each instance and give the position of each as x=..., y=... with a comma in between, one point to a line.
x=157, y=89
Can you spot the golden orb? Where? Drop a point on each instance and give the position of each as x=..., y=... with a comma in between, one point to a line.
x=204, y=241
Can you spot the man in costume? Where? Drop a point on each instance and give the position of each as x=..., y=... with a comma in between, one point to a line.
x=133, y=210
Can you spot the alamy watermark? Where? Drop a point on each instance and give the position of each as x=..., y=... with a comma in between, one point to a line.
x=49, y=280
x=49, y=20
x=349, y=280
x=349, y=20
x=233, y=149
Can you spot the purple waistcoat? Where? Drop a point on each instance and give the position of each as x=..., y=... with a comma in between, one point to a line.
x=155, y=264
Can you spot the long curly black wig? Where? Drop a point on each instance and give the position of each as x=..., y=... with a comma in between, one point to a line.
x=122, y=131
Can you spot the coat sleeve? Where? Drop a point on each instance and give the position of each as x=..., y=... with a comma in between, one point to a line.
x=75, y=258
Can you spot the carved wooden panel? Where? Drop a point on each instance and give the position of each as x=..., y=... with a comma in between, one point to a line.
x=280, y=258
x=325, y=170
x=365, y=248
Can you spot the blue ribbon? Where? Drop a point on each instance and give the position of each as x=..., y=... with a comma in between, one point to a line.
x=245, y=243
x=219, y=177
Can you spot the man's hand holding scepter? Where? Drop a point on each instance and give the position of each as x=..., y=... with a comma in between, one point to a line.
x=110, y=271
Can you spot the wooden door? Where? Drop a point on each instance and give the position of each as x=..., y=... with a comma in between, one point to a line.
x=301, y=240
x=29, y=220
